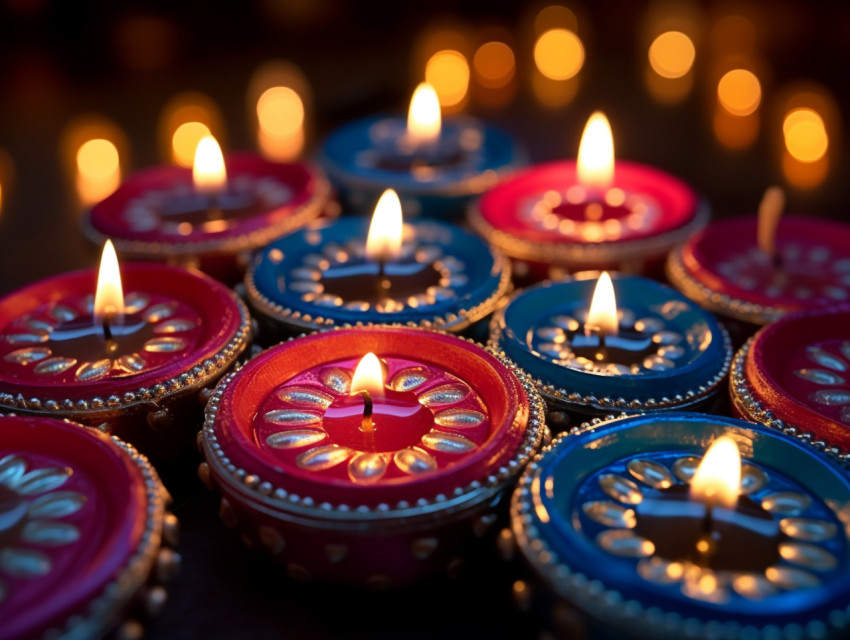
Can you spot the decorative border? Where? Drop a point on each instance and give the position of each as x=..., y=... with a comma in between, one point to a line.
x=571, y=399
x=245, y=242
x=721, y=303
x=611, y=606
x=579, y=254
x=450, y=321
x=199, y=376
x=743, y=397
x=284, y=503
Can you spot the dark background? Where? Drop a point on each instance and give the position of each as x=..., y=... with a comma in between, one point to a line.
x=124, y=61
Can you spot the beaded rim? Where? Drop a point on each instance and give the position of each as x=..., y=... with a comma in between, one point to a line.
x=744, y=398
x=199, y=376
x=449, y=321
x=587, y=254
x=104, y=610
x=284, y=503
x=608, y=604
x=721, y=303
x=309, y=210
x=572, y=399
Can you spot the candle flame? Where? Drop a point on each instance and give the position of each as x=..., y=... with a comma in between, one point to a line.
x=423, y=118
x=384, y=239
x=208, y=172
x=109, y=296
x=596, y=153
x=368, y=376
x=602, y=315
x=770, y=211
x=717, y=480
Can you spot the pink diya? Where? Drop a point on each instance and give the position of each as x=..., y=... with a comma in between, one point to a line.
x=755, y=270
x=84, y=532
x=119, y=362
x=372, y=474
x=211, y=216
x=559, y=217
x=794, y=375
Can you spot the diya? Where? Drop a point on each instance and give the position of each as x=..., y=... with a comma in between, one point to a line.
x=624, y=345
x=210, y=217
x=375, y=473
x=623, y=521
x=794, y=375
x=72, y=348
x=85, y=538
x=332, y=273
x=435, y=166
x=559, y=217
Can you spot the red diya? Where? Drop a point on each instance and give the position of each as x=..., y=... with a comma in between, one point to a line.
x=370, y=478
x=755, y=270
x=794, y=375
x=211, y=216
x=559, y=217
x=121, y=361
x=84, y=532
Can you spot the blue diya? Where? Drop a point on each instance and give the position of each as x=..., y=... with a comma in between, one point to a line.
x=608, y=518
x=661, y=352
x=435, y=175
x=321, y=276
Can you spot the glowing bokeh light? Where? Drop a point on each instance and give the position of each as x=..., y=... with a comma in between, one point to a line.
x=672, y=54
x=494, y=64
x=559, y=54
x=739, y=92
x=805, y=134
x=185, y=140
x=448, y=72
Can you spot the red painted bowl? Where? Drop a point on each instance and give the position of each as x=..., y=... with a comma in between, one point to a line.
x=794, y=375
x=301, y=480
x=83, y=528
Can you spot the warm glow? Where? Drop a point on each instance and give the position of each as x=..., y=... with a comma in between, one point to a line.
x=423, y=118
x=770, y=211
x=739, y=92
x=559, y=54
x=185, y=141
x=602, y=315
x=717, y=480
x=448, y=72
x=368, y=376
x=208, y=172
x=109, y=296
x=384, y=239
x=671, y=54
x=280, y=112
x=494, y=64
x=98, y=170
x=596, y=153
x=805, y=134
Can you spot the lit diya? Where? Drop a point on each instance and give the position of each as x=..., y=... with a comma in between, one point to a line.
x=651, y=526
x=211, y=216
x=75, y=349
x=559, y=217
x=84, y=533
x=368, y=469
x=434, y=165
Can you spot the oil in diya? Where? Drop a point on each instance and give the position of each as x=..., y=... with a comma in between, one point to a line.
x=435, y=165
x=625, y=523
x=85, y=536
x=753, y=270
x=559, y=217
x=211, y=216
x=373, y=470
x=625, y=344
x=137, y=363
x=333, y=273
x=794, y=375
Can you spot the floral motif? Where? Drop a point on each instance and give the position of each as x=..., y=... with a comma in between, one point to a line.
x=832, y=375
x=31, y=511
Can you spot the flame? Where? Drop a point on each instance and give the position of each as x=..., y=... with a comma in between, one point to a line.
x=602, y=315
x=109, y=296
x=208, y=172
x=385, y=231
x=717, y=480
x=770, y=210
x=596, y=153
x=368, y=376
x=423, y=118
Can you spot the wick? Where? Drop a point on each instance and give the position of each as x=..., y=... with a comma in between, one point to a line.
x=707, y=544
x=367, y=426
x=383, y=283
x=111, y=345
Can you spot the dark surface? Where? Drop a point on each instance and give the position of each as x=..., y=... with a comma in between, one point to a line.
x=60, y=59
